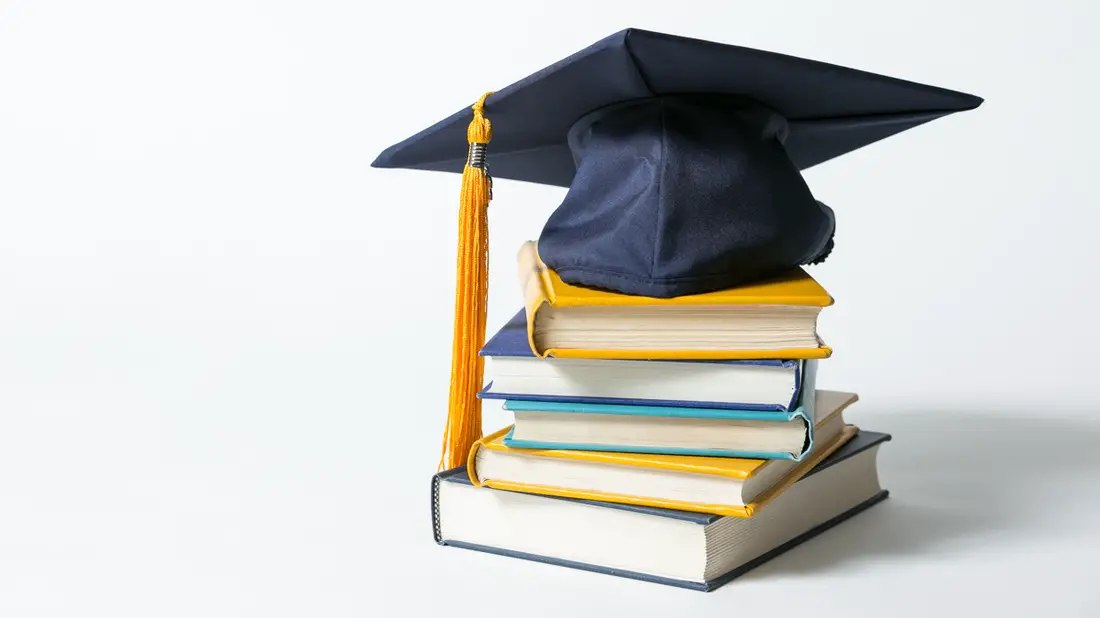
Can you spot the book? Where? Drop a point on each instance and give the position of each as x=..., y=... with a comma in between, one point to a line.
x=775, y=318
x=722, y=485
x=673, y=547
x=515, y=372
x=675, y=431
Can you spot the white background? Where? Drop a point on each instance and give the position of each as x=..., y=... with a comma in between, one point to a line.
x=224, y=339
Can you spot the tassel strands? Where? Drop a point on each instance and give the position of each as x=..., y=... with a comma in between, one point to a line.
x=471, y=296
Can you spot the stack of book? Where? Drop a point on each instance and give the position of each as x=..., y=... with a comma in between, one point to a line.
x=682, y=441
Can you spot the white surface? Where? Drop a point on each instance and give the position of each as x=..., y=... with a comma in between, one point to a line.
x=207, y=297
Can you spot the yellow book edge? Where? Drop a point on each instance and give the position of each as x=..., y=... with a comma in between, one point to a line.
x=539, y=289
x=788, y=353
x=748, y=510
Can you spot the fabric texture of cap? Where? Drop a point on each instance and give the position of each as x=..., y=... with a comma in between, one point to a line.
x=682, y=194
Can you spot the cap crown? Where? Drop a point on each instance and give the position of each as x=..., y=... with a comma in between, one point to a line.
x=682, y=194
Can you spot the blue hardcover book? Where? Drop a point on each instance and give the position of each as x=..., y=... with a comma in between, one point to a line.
x=516, y=373
x=676, y=548
x=714, y=432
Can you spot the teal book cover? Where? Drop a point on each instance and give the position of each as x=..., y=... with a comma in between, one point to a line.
x=804, y=414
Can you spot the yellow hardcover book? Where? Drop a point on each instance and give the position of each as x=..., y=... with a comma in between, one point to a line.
x=758, y=321
x=720, y=485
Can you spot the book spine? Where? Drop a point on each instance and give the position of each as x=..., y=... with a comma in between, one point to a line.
x=471, y=461
x=437, y=532
x=536, y=289
x=800, y=368
x=531, y=273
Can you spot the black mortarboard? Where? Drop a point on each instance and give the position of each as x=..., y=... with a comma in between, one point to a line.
x=682, y=158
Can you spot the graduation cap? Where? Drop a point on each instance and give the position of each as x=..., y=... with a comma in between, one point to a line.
x=683, y=163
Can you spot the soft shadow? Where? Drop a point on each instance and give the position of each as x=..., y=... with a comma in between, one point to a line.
x=958, y=480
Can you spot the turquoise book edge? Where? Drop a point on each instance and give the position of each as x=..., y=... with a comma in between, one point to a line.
x=518, y=405
x=805, y=410
x=510, y=442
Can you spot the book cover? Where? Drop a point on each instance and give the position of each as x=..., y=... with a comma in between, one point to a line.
x=512, y=341
x=859, y=443
x=541, y=286
x=734, y=468
x=829, y=403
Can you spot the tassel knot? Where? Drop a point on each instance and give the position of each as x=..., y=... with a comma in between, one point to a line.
x=480, y=130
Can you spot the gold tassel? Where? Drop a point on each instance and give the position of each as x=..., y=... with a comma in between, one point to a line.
x=471, y=296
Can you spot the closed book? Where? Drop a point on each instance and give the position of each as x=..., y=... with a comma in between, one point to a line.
x=666, y=546
x=675, y=431
x=721, y=485
x=774, y=318
x=514, y=372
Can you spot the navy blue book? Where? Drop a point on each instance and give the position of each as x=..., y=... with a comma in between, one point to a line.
x=676, y=548
x=753, y=385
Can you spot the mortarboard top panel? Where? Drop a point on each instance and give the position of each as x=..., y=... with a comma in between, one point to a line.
x=831, y=110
